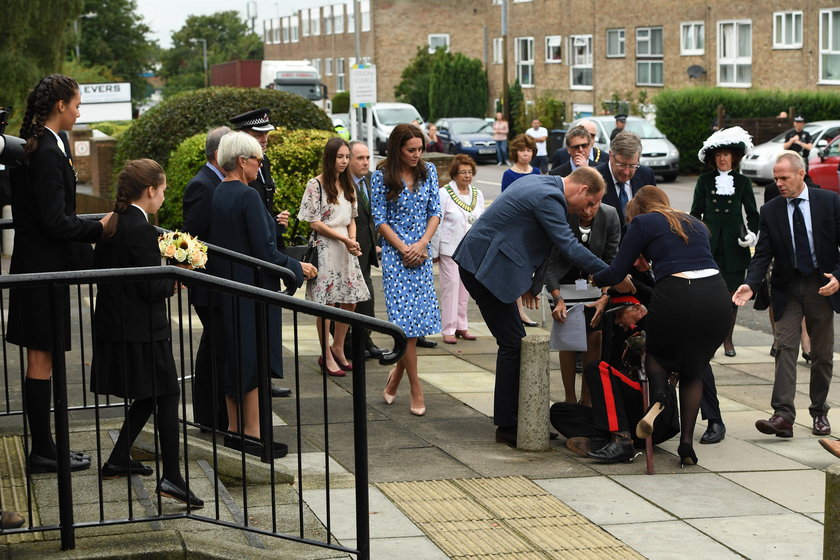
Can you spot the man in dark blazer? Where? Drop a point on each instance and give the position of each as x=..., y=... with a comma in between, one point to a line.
x=257, y=124
x=578, y=144
x=497, y=259
x=622, y=173
x=596, y=154
x=800, y=233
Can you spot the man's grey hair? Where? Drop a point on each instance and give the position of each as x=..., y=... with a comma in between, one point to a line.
x=211, y=144
x=356, y=143
x=577, y=132
x=793, y=158
x=236, y=145
x=626, y=144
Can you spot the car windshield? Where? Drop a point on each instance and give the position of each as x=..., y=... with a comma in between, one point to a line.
x=472, y=126
x=644, y=129
x=812, y=129
x=397, y=116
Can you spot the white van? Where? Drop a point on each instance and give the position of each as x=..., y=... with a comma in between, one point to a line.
x=385, y=117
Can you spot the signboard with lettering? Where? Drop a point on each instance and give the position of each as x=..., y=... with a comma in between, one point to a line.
x=362, y=85
x=105, y=102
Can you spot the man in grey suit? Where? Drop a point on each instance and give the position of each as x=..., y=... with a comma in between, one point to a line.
x=502, y=250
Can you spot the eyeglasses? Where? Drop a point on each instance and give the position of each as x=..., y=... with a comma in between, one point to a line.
x=579, y=146
x=631, y=166
x=465, y=172
x=259, y=159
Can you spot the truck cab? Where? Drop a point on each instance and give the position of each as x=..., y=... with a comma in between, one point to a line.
x=298, y=77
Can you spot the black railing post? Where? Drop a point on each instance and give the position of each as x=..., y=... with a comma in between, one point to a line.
x=360, y=443
x=263, y=375
x=62, y=423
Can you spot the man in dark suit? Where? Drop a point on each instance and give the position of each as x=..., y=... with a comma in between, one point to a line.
x=497, y=259
x=622, y=174
x=596, y=154
x=578, y=144
x=256, y=123
x=800, y=233
x=365, y=233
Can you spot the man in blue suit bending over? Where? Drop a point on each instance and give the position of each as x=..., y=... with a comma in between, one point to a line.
x=502, y=250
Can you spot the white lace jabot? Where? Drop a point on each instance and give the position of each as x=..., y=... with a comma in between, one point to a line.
x=724, y=184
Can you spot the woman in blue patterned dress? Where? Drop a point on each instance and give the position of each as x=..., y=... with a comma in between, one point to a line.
x=406, y=211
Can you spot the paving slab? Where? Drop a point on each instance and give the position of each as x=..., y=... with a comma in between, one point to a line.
x=800, y=537
x=419, y=548
x=809, y=496
x=671, y=540
x=733, y=454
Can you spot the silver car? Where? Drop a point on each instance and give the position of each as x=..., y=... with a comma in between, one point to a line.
x=758, y=164
x=658, y=152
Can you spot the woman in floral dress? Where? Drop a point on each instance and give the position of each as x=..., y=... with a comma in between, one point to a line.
x=329, y=205
x=406, y=212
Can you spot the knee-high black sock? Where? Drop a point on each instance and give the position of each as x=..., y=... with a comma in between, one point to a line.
x=136, y=417
x=38, y=399
x=168, y=432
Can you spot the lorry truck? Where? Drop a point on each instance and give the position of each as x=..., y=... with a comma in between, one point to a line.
x=294, y=76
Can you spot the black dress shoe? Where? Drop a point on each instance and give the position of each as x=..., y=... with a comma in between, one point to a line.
x=79, y=455
x=280, y=391
x=38, y=464
x=821, y=426
x=619, y=450
x=530, y=323
x=373, y=352
x=423, y=343
x=775, y=425
x=170, y=490
x=506, y=435
x=109, y=471
x=729, y=353
x=253, y=446
x=715, y=432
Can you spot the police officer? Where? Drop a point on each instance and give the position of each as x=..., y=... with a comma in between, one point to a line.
x=798, y=140
x=620, y=123
x=256, y=124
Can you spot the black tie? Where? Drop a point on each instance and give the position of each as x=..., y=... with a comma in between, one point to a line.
x=804, y=261
x=622, y=197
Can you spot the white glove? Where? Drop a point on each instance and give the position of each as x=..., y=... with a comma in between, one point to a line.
x=748, y=240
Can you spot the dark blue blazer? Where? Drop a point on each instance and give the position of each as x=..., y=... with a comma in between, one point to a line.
x=643, y=176
x=198, y=200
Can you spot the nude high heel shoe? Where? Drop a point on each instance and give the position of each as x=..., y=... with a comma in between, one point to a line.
x=418, y=410
x=645, y=426
x=386, y=396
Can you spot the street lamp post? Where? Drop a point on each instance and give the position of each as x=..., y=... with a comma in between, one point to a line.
x=78, y=31
x=204, y=46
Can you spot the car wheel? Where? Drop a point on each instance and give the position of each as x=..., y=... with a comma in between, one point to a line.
x=380, y=147
x=452, y=149
x=669, y=177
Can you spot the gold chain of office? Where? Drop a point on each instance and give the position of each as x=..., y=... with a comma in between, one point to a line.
x=468, y=208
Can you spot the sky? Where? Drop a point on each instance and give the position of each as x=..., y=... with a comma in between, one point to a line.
x=166, y=16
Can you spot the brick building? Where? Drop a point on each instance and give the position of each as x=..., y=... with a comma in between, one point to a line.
x=582, y=56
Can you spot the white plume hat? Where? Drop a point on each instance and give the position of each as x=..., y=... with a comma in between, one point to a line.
x=733, y=138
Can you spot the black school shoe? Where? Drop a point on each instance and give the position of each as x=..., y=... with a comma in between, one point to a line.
x=253, y=446
x=110, y=472
x=38, y=464
x=170, y=490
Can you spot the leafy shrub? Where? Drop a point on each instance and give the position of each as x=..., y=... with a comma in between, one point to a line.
x=160, y=130
x=457, y=87
x=114, y=129
x=341, y=102
x=184, y=162
x=685, y=116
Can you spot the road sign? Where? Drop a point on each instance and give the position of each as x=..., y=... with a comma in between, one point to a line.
x=362, y=85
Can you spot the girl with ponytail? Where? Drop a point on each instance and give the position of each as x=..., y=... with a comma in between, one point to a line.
x=132, y=356
x=48, y=237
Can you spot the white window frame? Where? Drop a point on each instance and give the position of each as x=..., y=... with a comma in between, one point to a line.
x=498, y=51
x=276, y=31
x=316, y=62
x=328, y=66
x=737, y=60
x=523, y=63
x=620, y=41
x=340, y=75
x=268, y=35
x=826, y=48
x=580, y=61
x=328, y=22
x=649, y=64
x=691, y=49
x=338, y=19
x=553, y=42
x=781, y=27
x=315, y=21
x=287, y=26
x=304, y=23
x=364, y=7
x=295, y=22
x=351, y=17
x=649, y=55
x=431, y=36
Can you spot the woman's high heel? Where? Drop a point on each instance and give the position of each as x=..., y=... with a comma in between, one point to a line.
x=386, y=396
x=418, y=410
x=686, y=453
x=645, y=426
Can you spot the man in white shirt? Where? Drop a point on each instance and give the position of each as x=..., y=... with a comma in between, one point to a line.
x=540, y=135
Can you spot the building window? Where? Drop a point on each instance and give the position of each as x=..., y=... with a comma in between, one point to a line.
x=351, y=17
x=649, y=51
x=580, y=65
x=275, y=28
x=329, y=66
x=339, y=75
x=829, y=46
x=338, y=18
x=735, y=53
x=316, y=62
x=498, y=50
x=328, y=28
x=615, y=43
x=315, y=21
x=691, y=38
x=787, y=30
x=524, y=54
x=268, y=36
x=553, y=49
x=304, y=23
x=286, y=28
x=294, y=29
x=438, y=40
x=364, y=7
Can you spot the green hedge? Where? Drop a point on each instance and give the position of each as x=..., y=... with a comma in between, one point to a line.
x=114, y=129
x=685, y=116
x=162, y=129
x=295, y=157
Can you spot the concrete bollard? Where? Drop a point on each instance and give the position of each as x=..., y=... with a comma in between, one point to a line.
x=532, y=425
x=831, y=526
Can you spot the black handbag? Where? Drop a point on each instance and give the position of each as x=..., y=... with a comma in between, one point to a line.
x=304, y=251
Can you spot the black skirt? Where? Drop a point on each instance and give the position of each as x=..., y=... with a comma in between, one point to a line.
x=133, y=370
x=687, y=322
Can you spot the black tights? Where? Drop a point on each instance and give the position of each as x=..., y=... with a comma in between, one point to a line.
x=167, y=426
x=691, y=392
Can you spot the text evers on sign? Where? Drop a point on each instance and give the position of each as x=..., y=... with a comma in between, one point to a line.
x=118, y=92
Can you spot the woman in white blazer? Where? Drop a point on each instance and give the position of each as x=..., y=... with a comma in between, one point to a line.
x=461, y=204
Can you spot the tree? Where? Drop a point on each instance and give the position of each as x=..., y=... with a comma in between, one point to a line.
x=228, y=38
x=457, y=87
x=517, y=109
x=414, y=84
x=116, y=39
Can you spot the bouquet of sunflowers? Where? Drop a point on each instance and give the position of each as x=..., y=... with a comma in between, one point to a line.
x=183, y=249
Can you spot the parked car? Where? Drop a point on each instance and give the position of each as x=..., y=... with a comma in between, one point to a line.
x=658, y=152
x=758, y=164
x=824, y=167
x=464, y=135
